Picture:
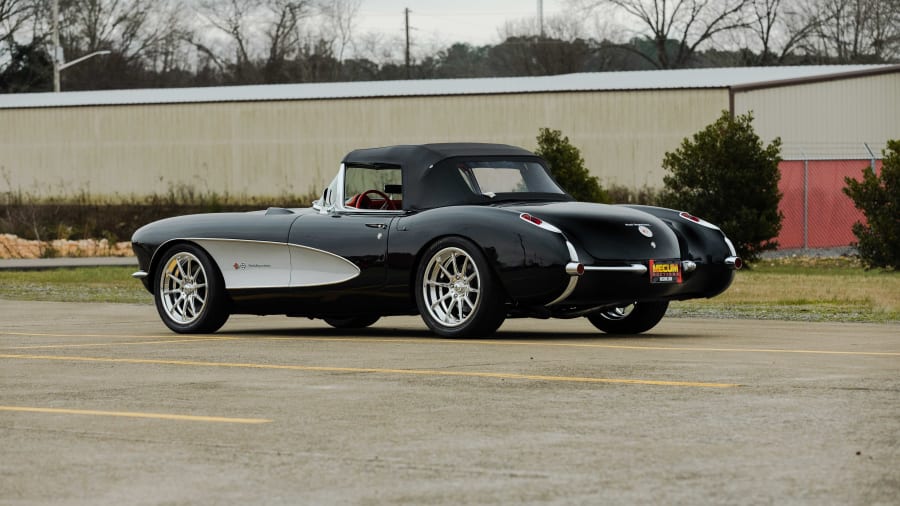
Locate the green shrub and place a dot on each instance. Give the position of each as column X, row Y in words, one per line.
column 726, row 175
column 878, row 197
column 567, row 167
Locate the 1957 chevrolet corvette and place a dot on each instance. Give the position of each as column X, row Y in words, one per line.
column 466, row 235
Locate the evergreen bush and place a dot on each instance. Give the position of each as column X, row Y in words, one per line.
column 726, row 175
column 878, row 197
column 567, row 167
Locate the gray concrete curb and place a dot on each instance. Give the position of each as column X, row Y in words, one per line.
column 63, row 263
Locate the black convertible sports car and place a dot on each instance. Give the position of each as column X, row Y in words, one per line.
column 465, row 235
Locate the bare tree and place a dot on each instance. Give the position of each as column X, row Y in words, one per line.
column 144, row 37
column 233, row 18
column 776, row 29
column 860, row 31
column 131, row 28
column 283, row 36
column 679, row 27
column 563, row 27
column 339, row 17
column 13, row 15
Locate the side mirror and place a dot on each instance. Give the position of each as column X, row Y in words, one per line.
column 322, row 205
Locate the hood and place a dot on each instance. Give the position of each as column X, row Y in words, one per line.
column 606, row 232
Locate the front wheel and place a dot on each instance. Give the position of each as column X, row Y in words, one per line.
column 631, row 319
column 189, row 291
column 456, row 292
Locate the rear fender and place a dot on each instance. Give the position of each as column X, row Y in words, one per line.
column 700, row 242
column 528, row 261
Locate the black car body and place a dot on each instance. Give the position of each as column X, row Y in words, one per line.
column 464, row 234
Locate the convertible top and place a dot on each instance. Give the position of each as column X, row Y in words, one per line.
column 419, row 157
column 426, row 186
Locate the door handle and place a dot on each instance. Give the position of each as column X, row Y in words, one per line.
column 376, row 225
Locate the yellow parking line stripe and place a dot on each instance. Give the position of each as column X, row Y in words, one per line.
column 418, row 372
column 158, row 416
column 128, row 336
column 111, row 343
column 479, row 341
column 587, row 345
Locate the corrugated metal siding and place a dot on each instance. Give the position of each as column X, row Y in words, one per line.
column 829, row 119
column 293, row 147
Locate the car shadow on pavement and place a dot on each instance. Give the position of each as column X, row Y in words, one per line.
column 386, row 332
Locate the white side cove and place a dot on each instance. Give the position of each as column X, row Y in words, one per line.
column 315, row 267
column 261, row 264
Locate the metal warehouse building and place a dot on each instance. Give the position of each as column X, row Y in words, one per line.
column 272, row 140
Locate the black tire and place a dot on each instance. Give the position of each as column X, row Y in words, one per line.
column 352, row 322
column 456, row 291
column 189, row 291
column 642, row 317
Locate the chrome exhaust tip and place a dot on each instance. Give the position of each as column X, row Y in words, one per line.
column 574, row 269
column 734, row 263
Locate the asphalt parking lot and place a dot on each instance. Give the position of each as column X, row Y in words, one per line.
column 100, row 404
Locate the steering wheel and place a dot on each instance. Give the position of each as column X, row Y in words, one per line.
column 388, row 203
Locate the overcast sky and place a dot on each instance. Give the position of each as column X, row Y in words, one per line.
column 477, row 22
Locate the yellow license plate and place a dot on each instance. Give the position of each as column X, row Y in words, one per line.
column 665, row 271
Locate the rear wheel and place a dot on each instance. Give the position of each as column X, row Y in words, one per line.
column 631, row 319
column 456, row 292
column 189, row 291
column 352, row 322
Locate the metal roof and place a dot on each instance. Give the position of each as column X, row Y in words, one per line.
column 733, row 77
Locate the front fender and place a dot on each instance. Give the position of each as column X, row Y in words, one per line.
column 149, row 241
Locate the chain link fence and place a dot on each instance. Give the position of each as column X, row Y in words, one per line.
column 818, row 215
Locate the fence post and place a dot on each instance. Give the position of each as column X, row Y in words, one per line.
column 871, row 157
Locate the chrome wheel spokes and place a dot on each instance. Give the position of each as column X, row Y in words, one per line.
column 183, row 288
column 451, row 287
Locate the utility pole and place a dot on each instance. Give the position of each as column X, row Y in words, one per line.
column 406, row 16
column 56, row 51
column 541, row 16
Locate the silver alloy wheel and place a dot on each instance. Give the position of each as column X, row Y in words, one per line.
column 619, row 313
column 183, row 288
column 451, row 287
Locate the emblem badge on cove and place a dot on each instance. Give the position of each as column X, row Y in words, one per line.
column 646, row 232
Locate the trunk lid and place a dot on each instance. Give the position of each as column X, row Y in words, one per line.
column 607, row 233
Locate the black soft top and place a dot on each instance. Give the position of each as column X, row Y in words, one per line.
column 420, row 157
column 425, row 183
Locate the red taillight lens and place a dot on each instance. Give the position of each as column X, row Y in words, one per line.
column 531, row 219
column 689, row 216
